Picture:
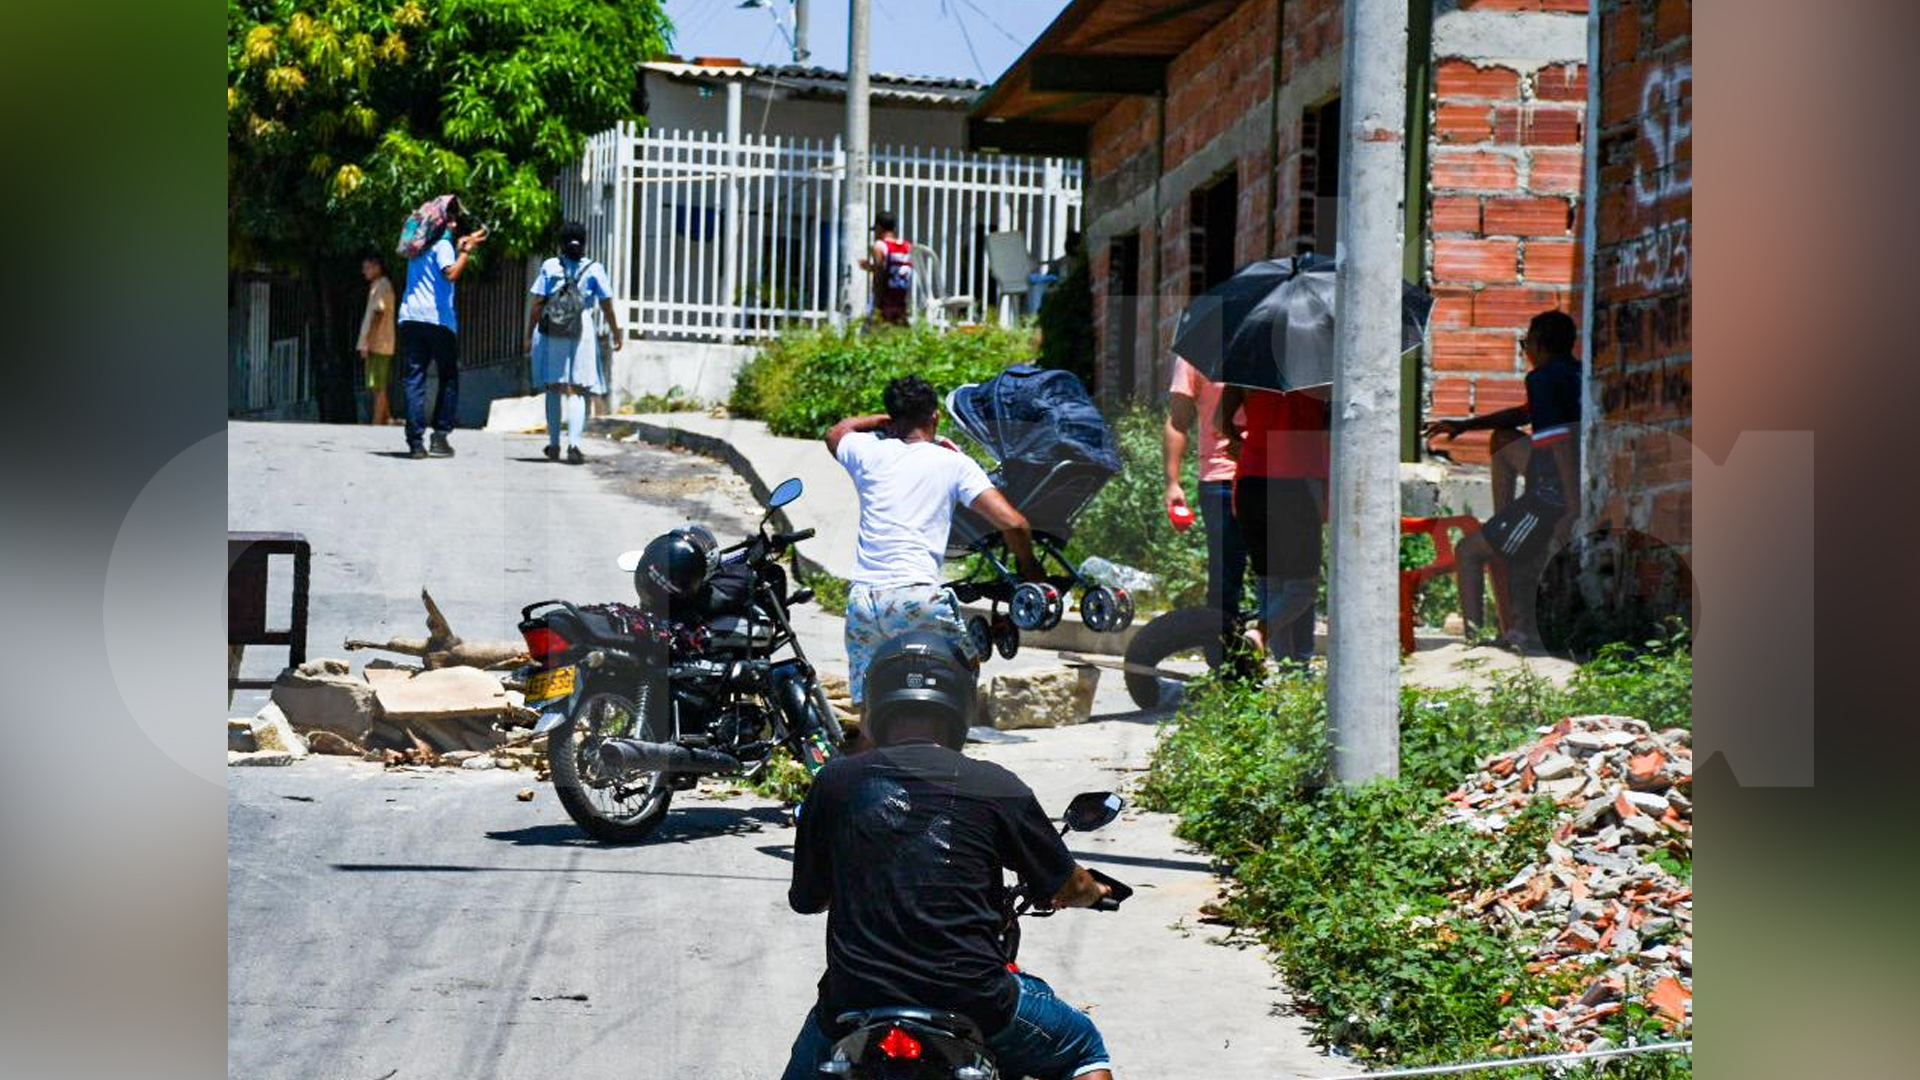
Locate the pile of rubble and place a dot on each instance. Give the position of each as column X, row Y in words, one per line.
column 396, row 714
column 1607, row 915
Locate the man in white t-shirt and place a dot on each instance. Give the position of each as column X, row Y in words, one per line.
column 909, row 482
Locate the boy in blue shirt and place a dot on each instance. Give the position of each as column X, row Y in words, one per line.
column 1521, row 535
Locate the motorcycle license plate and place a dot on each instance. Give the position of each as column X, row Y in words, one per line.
column 548, row 685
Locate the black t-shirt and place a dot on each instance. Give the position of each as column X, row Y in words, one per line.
column 905, row 847
column 1553, row 407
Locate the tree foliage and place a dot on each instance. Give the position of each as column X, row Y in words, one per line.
column 343, row 115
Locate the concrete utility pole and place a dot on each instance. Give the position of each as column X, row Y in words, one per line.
column 853, row 193
column 800, row 52
column 1363, row 662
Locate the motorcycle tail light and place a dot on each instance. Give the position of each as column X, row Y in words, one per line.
column 543, row 643
column 899, row 1045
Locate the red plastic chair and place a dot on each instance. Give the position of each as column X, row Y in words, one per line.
column 1440, row 529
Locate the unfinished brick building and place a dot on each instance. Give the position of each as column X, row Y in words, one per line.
column 1211, row 134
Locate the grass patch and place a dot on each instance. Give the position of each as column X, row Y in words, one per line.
column 805, row 380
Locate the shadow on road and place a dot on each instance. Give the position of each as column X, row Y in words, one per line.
column 1151, row 717
column 681, row 826
column 458, row 868
column 1189, row 865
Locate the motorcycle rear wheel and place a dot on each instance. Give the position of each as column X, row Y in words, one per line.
column 596, row 806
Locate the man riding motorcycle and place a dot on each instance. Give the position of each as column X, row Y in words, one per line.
column 905, row 846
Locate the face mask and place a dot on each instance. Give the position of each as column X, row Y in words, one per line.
column 574, row 250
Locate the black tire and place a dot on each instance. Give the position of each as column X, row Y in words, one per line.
column 1189, row 629
column 567, row 744
column 829, row 721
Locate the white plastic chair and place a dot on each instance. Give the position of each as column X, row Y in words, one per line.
column 940, row 310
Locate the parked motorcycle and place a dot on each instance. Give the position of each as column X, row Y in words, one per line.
column 639, row 702
column 910, row 1042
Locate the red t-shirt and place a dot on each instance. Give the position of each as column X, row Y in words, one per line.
column 1286, row 436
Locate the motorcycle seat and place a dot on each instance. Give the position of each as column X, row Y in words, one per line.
column 949, row 1023
column 601, row 628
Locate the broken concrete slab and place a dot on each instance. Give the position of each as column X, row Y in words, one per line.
column 1042, row 697
column 324, row 695
column 240, row 735
column 442, row 694
column 273, row 732
column 259, row 757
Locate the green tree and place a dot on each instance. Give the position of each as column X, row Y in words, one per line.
column 343, row 115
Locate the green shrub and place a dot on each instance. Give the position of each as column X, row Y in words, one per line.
column 802, row 381
column 1127, row 522
column 1651, row 681
column 1350, row 885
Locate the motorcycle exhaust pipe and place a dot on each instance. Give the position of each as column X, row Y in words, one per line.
column 620, row 757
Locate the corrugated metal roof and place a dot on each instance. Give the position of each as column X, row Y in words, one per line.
column 826, row 82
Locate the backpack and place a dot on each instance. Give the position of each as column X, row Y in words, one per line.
column 566, row 305
column 424, row 227
column 899, row 265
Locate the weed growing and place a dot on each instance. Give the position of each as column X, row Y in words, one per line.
column 1350, row 885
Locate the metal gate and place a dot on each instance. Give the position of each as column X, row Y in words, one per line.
column 717, row 239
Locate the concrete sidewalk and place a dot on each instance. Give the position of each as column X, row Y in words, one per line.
column 830, row 505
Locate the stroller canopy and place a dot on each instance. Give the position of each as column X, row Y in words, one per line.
column 1052, row 445
column 1030, row 416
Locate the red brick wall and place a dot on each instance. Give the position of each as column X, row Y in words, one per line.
column 1642, row 278
column 1314, row 31
column 1505, row 165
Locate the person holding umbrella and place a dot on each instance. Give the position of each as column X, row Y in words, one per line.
column 1268, row 333
column 1193, row 408
column 1282, row 455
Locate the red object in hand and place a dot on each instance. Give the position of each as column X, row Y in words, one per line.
column 1181, row 516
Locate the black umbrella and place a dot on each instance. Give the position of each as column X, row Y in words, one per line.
column 1270, row 326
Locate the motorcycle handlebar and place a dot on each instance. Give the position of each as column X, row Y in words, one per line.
column 788, row 539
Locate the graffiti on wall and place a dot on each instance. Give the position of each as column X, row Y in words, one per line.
column 1657, row 261
column 1666, row 122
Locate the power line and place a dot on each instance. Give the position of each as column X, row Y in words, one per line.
column 991, row 21
column 968, row 38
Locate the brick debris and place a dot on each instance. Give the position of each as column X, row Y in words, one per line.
column 1605, row 917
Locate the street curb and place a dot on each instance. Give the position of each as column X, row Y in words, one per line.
column 711, row 446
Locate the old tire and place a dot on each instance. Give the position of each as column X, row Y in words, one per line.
column 1190, row 629
column 578, row 739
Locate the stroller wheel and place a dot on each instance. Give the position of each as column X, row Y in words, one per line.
column 1006, row 638
column 980, row 636
column 1122, row 610
column 1028, row 609
column 1056, row 607
column 1097, row 609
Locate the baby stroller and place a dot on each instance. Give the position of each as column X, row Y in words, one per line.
column 1054, row 453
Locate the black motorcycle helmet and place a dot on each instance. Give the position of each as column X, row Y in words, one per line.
column 671, row 567
column 918, row 684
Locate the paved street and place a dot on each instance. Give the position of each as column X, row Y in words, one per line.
column 428, row 924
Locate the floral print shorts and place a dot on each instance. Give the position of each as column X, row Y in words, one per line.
column 877, row 614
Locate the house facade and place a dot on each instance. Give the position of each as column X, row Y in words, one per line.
column 1211, row 132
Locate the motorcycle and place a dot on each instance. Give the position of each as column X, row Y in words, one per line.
column 638, row 703
column 910, row 1042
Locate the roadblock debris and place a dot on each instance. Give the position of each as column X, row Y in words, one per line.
column 1609, row 904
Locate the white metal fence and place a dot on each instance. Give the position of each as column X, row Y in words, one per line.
column 717, row 239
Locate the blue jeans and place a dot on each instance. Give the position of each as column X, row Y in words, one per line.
column 1048, row 1040
column 422, row 344
column 1226, row 553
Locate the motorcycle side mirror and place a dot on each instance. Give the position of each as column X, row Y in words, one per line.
column 788, row 491
column 1092, row 810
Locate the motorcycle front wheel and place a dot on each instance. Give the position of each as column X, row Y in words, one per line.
column 623, row 811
